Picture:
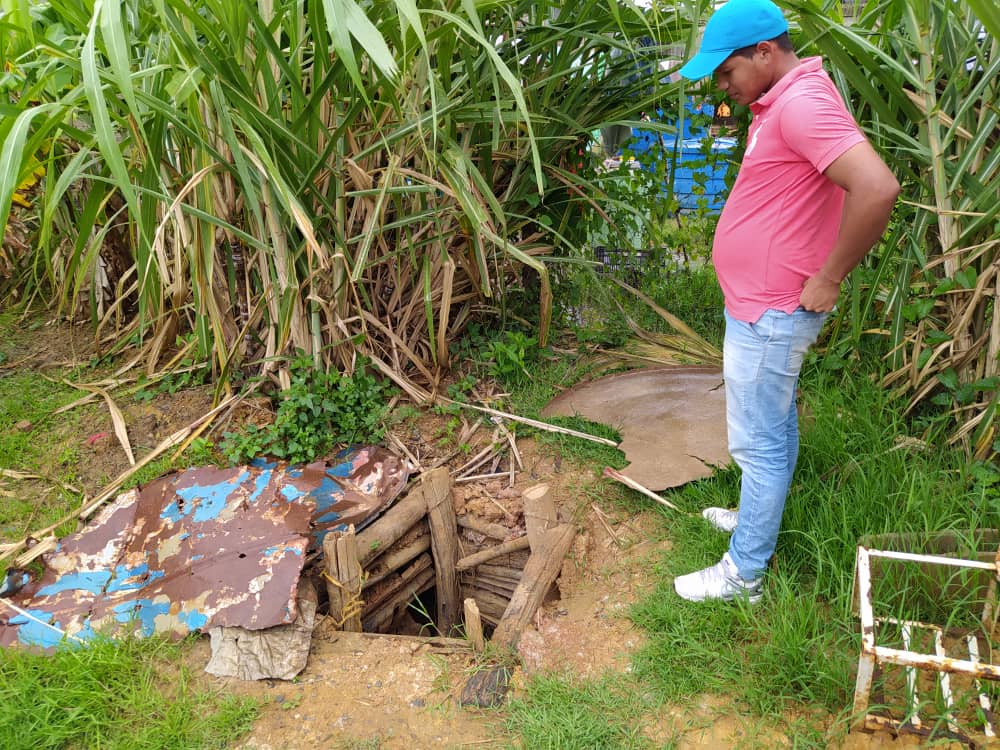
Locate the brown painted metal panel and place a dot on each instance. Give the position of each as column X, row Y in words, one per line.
column 200, row 548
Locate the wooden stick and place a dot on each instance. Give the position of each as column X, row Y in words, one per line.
column 436, row 488
column 617, row 476
column 539, row 513
column 533, row 422
column 490, row 552
column 410, row 590
column 513, row 446
column 396, row 557
column 477, row 459
column 391, row 527
column 491, row 605
column 474, row 626
column 406, row 451
column 493, row 530
column 601, row 517
column 539, row 574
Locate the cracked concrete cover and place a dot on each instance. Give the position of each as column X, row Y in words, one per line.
column 672, row 420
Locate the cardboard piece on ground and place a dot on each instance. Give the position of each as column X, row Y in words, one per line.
column 672, row 420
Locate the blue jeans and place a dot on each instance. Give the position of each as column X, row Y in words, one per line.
column 761, row 363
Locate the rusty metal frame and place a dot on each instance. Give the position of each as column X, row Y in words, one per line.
column 873, row 655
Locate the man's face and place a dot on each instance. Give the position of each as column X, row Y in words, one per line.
column 743, row 79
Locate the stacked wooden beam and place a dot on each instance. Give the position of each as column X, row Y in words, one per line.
column 420, row 543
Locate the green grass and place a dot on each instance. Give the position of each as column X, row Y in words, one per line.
column 127, row 695
column 787, row 664
column 557, row 713
column 799, row 647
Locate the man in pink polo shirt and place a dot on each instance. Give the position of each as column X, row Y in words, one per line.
column 811, row 198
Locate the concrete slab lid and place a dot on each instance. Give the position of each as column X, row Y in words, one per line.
column 672, row 420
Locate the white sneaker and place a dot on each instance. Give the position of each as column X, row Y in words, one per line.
column 722, row 518
column 721, row 581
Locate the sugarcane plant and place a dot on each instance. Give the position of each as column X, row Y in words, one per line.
column 922, row 78
column 242, row 184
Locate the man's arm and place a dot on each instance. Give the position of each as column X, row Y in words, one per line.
column 871, row 193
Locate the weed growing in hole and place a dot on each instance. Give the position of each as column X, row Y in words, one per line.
column 319, row 410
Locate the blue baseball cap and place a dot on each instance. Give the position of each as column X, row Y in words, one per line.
column 737, row 24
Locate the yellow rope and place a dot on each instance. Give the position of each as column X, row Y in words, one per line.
column 354, row 605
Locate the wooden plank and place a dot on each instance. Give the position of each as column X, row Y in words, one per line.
column 486, row 585
column 436, row 487
column 500, row 571
column 343, row 579
column 539, row 574
column 391, row 527
column 382, row 618
column 331, row 575
column 491, row 605
column 539, row 513
column 399, row 555
column 493, row 552
column 474, row 626
column 394, row 585
column 350, row 578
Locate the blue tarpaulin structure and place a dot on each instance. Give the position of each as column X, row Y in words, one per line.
column 698, row 177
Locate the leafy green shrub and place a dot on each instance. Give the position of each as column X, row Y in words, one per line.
column 319, row 410
column 510, row 354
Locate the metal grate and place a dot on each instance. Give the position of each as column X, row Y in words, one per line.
column 939, row 662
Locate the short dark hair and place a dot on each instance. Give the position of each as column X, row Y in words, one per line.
column 783, row 41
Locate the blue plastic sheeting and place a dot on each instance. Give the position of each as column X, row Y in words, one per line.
column 696, row 184
column 201, row 548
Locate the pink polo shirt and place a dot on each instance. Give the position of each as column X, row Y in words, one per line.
column 782, row 216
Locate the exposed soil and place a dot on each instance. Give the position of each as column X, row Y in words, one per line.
column 397, row 692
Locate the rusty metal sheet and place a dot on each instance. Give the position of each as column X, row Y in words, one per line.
column 201, row 548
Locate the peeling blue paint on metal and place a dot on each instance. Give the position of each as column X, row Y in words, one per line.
column 35, row 633
column 263, row 480
column 142, row 611
column 93, row 581
column 130, row 579
column 179, row 554
column 194, row 619
column 292, row 493
column 206, row 501
column 86, row 633
column 282, row 549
